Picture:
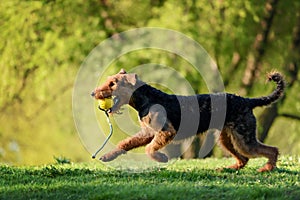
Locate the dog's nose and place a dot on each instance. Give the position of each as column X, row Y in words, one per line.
column 93, row 94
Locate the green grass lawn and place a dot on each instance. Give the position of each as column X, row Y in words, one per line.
column 184, row 179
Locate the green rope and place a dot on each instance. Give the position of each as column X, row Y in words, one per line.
column 110, row 132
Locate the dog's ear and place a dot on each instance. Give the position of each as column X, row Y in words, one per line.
column 122, row 71
column 132, row 78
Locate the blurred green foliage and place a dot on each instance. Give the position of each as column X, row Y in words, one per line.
column 43, row 44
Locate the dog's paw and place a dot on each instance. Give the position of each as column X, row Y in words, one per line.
column 106, row 158
column 112, row 155
column 159, row 157
column 267, row 168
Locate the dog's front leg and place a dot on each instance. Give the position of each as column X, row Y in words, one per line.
column 141, row 138
column 112, row 155
column 161, row 139
column 157, row 121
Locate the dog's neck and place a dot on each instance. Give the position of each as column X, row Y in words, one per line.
column 143, row 98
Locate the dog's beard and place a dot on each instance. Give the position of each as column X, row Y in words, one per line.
column 120, row 98
column 115, row 109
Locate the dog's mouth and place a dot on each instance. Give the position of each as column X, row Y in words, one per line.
column 116, row 106
column 116, row 101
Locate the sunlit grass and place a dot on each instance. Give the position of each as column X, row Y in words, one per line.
column 183, row 179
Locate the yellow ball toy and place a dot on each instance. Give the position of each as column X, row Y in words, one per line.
column 106, row 103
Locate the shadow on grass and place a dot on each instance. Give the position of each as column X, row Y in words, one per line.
column 55, row 182
column 152, row 191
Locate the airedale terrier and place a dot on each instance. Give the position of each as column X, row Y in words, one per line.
column 160, row 116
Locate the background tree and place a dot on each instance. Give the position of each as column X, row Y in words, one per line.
column 43, row 44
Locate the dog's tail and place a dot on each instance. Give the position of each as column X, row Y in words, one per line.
column 276, row 94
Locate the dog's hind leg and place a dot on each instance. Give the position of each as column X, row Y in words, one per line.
column 226, row 143
column 254, row 148
column 269, row 152
column 139, row 139
column 247, row 145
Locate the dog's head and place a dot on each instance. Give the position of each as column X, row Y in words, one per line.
column 119, row 87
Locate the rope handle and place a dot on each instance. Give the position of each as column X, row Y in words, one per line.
column 110, row 132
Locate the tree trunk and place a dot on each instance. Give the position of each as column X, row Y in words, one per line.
column 268, row 116
column 191, row 149
column 235, row 63
column 266, row 120
column 208, row 143
column 259, row 47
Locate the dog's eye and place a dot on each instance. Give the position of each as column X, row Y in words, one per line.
column 111, row 84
